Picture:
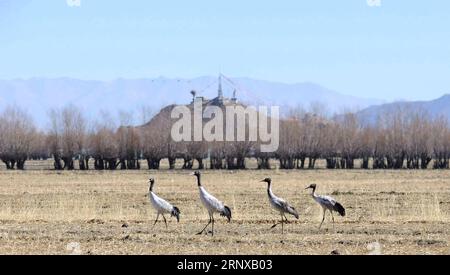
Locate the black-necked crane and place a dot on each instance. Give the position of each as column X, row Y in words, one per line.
column 162, row 206
column 211, row 204
column 327, row 203
column 279, row 205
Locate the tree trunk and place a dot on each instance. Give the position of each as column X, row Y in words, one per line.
column 172, row 162
column 123, row 164
column 365, row 163
column 425, row 161
column 153, row 163
column 57, row 163
column 302, row 163
column 68, row 163
column 21, row 164
column 263, row 163
column 201, row 166
column 331, row 163
column 216, row 163
column 312, row 163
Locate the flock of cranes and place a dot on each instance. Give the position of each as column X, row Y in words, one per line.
column 213, row 205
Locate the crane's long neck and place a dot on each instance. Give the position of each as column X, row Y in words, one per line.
column 151, row 187
column 199, row 181
column 313, row 192
column 269, row 189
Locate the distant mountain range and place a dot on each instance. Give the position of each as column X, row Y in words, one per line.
column 434, row 108
column 38, row 95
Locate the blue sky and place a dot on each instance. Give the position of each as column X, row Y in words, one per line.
column 399, row 50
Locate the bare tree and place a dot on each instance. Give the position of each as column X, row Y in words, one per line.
column 102, row 143
column 16, row 137
column 39, row 146
column 367, row 140
column 156, row 142
column 348, row 132
column 419, row 142
column 67, row 137
column 128, row 140
column 441, row 143
column 289, row 140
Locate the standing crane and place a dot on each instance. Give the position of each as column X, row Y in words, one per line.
column 161, row 206
column 212, row 204
column 327, row 203
column 279, row 205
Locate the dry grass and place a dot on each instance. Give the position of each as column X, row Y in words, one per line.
column 45, row 212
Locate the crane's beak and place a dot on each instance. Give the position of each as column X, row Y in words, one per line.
column 307, row 187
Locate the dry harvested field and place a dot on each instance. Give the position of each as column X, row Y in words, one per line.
column 48, row 212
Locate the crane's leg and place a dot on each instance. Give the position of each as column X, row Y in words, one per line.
column 332, row 216
column 283, row 217
column 165, row 221
column 212, row 218
column 277, row 223
column 286, row 221
column 210, row 221
column 323, row 219
column 157, row 217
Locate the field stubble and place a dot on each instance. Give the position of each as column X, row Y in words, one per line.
column 389, row 212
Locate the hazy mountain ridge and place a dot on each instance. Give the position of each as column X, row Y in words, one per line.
column 38, row 95
column 434, row 108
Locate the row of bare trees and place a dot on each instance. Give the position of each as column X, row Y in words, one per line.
column 404, row 138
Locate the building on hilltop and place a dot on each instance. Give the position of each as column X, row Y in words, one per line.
column 220, row 100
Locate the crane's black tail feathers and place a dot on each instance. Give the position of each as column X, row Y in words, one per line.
column 340, row 209
column 226, row 213
column 293, row 212
column 176, row 213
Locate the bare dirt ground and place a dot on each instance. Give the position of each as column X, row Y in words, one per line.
column 389, row 212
